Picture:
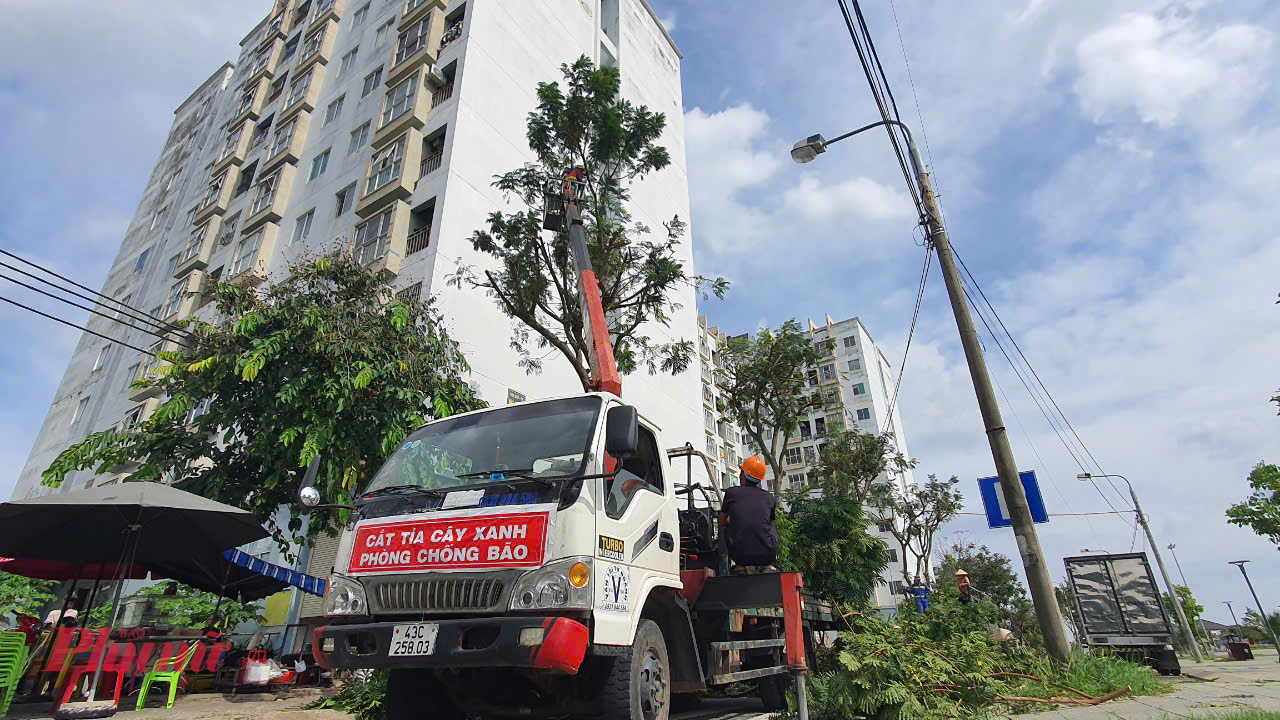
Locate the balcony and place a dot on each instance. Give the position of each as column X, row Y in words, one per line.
column 317, row 45
column 380, row 242
column 275, row 30
column 418, row 43
column 327, row 11
column 286, row 143
column 451, row 34
column 418, row 240
column 217, row 195
column 265, row 62
column 250, row 262
column 200, row 244
column 404, row 105
column 391, row 173
column 415, row 10
column 235, row 147
column 253, row 96
column 270, row 195
column 442, row 94
column 151, row 372
column 303, row 93
column 431, row 163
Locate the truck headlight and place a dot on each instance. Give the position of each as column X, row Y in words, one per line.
column 345, row 596
column 558, row 585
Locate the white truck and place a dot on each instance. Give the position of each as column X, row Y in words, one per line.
column 535, row 560
column 1118, row 609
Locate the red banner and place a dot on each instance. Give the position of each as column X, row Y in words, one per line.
column 488, row 541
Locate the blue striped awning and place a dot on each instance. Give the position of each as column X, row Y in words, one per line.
column 304, row 582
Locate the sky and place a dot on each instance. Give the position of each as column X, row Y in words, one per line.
column 1107, row 172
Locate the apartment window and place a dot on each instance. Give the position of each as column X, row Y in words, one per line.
column 346, row 197
column 195, row 242
column 399, row 100
column 173, row 264
column 262, row 131
column 142, row 260
column 832, row 396
column 711, row 447
column 313, row 42
column 332, row 112
column 260, row 60
column 360, row 16
column 810, row 456
column 514, row 396
column 827, row 372
column 385, row 166
column 131, row 419
column 246, row 253
column 864, row 414
column 228, row 230
column 175, row 298
column 359, row 137
column 813, row 378
column 214, row 190
column 792, row 456
column 851, row 341
column 384, row 30
column 855, row 364
column 412, row 294
column 290, row 47
column 709, row 419
column 284, row 136
column 246, row 179
column 80, row 409
column 99, row 361
column 372, row 238
column 412, row 40
column 303, row 226
column 820, row 427
column 412, row 5
column 860, row 389
column 805, row 432
column 319, row 164
column 200, row 408
column 155, row 219
column 266, row 192
column 347, row 61
column 298, row 90
column 896, row 587
column 277, row 87
column 121, row 303
column 131, row 374
column 231, row 143
column 371, row 82
column 246, row 100
column 885, row 526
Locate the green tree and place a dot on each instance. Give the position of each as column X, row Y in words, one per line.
column 326, row 361
column 765, row 388
column 24, row 595
column 188, row 607
column 585, row 123
column 1190, row 607
column 826, row 539
column 1251, row 626
column 1261, row 510
column 993, row 580
column 915, row 512
column 852, row 461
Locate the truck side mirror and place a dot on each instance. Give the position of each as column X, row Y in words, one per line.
column 622, row 432
column 308, row 495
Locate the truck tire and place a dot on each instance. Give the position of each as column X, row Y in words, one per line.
column 637, row 685
column 408, row 690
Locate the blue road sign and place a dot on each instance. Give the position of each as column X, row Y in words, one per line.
column 998, row 512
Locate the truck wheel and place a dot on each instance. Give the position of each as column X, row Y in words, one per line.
column 773, row 691
column 637, row 686
column 406, row 690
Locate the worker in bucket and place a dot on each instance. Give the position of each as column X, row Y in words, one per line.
column 746, row 517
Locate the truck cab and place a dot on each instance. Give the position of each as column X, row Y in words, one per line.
column 511, row 559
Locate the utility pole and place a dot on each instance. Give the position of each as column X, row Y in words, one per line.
column 1048, row 615
column 1261, row 612
column 1235, row 624
column 1188, row 587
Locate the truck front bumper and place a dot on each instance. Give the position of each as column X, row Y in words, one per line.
column 556, row 644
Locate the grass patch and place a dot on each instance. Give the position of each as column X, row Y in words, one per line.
column 1091, row 674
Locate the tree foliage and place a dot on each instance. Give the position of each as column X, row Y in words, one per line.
column 993, row 578
column 1251, row 626
column 826, row 539
column 188, row 607
column 852, row 461
column 917, row 511
column 765, row 388
column 24, row 595
column 325, row 362
column 584, row 123
column 1190, row 608
column 1261, row 510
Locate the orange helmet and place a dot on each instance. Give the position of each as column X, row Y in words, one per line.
column 754, row 466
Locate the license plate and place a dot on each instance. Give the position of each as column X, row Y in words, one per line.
column 413, row 639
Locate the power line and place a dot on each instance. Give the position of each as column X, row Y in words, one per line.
column 915, row 316
column 67, row 279
column 82, row 307
column 78, row 327
column 924, row 134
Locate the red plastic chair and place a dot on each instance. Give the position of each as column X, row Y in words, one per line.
column 76, row 672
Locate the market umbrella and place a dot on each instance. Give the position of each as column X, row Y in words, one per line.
column 64, row 570
column 143, row 523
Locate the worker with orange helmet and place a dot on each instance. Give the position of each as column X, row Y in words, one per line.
column 746, row 518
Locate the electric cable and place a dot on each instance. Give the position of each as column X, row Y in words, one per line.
column 86, row 308
column 915, row 316
column 78, row 327
column 73, row 282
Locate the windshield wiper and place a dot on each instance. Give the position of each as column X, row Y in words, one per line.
column 403, row 488
column 519, row 474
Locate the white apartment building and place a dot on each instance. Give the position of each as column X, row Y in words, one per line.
column 724, row 441
column 374, row 126
column 856, row 384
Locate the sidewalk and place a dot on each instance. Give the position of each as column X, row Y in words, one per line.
column 1237, row 685
column 211, row 706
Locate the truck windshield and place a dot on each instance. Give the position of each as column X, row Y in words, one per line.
column 546, row 439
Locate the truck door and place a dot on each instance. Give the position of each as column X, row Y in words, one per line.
column 637, row 530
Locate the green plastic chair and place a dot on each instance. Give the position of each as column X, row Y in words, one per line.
column 13, row 661
column 166, row 670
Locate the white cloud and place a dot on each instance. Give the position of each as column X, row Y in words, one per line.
column 857, row 197
column 1160, row 66
column 669, row 20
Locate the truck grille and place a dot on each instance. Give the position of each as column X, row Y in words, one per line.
column 437, row 594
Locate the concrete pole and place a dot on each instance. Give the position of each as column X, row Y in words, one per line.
column 1183, row 575
column 1256, row 601
column 1048, row 615
column 1173, row 594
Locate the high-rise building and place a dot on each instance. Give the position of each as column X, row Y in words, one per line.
column 724, row 438
column 374, row 127
column 855, row 384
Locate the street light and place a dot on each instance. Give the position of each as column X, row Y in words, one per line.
column 1188, row 587
column 1263, row 613
column 1155, row 550
column 1048, row 614
column 1235, row 624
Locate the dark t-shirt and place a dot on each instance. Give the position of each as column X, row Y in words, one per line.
column 753, row 539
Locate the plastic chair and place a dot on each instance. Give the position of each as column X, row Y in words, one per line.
column 167, row 670
column 77, row 672
column 13, row 660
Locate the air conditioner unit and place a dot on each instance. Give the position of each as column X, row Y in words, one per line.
column 435, row 76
